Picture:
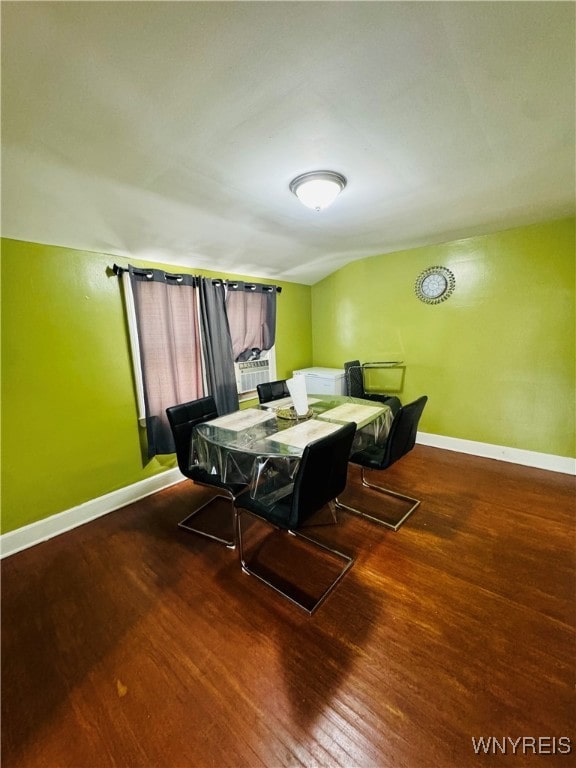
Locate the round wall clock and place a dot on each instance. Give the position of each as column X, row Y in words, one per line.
column 434, row 285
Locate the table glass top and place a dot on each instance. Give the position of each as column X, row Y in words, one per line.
column 260, row 431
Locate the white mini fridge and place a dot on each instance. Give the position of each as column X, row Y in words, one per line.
column 323, row 381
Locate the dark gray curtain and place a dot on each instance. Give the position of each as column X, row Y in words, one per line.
column 170, row 349
column 251, row 310
column 217, row 346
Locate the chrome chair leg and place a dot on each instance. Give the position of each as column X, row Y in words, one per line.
column 228, row 540
column 387, row 492
column 246, row 568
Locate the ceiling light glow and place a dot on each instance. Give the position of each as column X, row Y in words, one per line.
column 318, row 189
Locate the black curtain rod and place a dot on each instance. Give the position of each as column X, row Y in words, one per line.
column 118, row 271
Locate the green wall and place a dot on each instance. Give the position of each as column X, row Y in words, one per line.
column 69, row 425
column 497, row 359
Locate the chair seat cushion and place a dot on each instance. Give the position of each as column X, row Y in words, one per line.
column 372, row 456
column 278, row 513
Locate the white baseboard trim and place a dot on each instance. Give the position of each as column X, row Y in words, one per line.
column 563, row 464
column 42, row 530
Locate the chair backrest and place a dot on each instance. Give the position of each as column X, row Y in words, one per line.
column 272, row 390
column 354, row 378
column 393, row 403
column 402, row 436
column 322, row 473
column 182, row 419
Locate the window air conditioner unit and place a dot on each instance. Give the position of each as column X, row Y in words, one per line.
column 251, row 373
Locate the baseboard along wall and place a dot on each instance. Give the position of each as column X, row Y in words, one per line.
column 563, row 464
column 42, row 530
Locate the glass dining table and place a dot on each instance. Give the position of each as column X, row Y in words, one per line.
column 260, row 447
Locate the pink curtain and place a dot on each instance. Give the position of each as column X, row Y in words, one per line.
column 170, row 348
column 251, row 311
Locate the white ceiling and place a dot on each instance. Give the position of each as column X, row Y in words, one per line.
column 169, row 131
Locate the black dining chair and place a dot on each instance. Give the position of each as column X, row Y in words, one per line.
column 320, row 477
column 354, row 377
column 272, row 390
column 182, row 419
column 400, row 441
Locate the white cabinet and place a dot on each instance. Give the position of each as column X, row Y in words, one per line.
column 323, row 381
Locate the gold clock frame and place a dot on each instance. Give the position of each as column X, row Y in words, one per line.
column 443, row 272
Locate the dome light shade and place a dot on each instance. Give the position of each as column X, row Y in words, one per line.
column 318, row 189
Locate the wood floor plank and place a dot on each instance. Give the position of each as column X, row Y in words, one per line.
column 129, row 642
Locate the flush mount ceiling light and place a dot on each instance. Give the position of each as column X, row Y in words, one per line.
column 318, row 189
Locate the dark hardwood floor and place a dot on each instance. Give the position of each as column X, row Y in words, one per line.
column 129, row 642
